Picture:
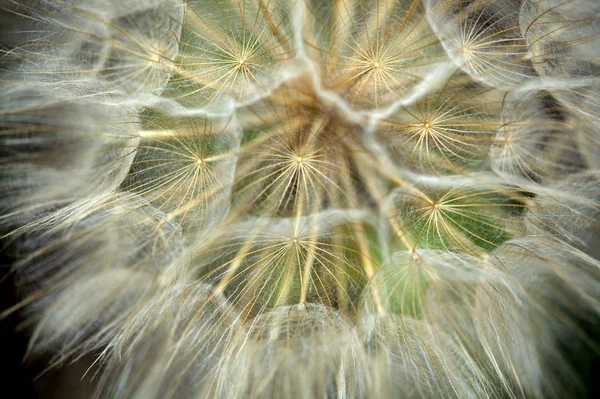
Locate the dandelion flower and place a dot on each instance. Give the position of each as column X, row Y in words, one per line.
column 302, row 198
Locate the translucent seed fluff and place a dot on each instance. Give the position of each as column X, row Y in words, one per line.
column 305, row 198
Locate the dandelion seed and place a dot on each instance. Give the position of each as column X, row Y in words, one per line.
column 369, row 52
column 449, row 131
column 484, row 39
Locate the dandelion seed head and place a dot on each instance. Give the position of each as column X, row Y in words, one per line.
column 301, row 199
